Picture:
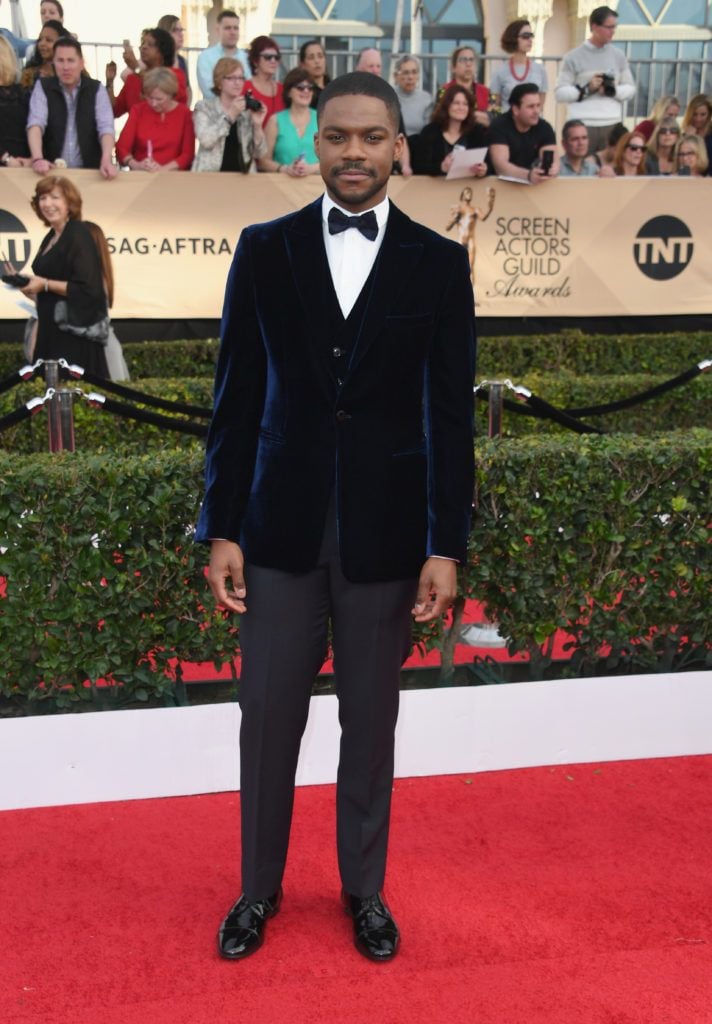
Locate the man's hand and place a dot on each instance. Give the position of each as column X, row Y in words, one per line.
column 107, row 168
column 227, row 562
column 437, row 588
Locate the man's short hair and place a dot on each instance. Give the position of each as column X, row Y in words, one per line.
column 599, row 14
column 227, row 14
column 68, row 43
column 520, row 91
column 407, row 58
column 361, row 83
column 573, row 123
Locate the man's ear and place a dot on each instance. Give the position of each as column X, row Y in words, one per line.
column 398, row 148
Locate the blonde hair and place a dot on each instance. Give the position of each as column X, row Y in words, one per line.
column 700, row 100
column 225, row 67
column 8, row 63
column 698, row 142
column 661, row 105
column 160, row 78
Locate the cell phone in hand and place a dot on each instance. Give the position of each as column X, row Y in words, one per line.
column 15, row 280
column 547, row 160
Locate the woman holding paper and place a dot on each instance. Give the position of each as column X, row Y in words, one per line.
column 453, row 125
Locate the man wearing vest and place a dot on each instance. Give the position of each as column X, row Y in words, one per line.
column 339, row 485
column 70, row 116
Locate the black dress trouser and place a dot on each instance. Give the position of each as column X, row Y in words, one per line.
column 283, row 637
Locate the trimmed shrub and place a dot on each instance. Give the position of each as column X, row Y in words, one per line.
column 606, row 538
column 570, row 351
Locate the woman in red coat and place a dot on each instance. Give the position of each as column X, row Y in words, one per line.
column 158, row 135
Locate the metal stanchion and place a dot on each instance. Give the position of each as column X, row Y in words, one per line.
column 54, row 426
column 60, row 418
column 65, row 400
column 496, row 406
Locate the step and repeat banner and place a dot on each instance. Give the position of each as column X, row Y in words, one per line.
column 608, row 247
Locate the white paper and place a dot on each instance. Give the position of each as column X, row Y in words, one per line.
column 464, row 159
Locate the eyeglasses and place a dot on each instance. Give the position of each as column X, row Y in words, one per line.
column 525, row 35
column 270, row 56
column 687, row 152
column 304, row 87
column 635, row 148
column 234, row 78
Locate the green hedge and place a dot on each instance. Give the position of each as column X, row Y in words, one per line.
column 570, row 351
column 607, row 538
column 95, row 429
column 687, row 406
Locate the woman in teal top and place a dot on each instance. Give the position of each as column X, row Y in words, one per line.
column 290, row 133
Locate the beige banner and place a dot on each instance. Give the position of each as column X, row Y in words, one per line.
column 609, row 247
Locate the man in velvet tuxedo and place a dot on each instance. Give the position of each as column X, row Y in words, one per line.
column 338, row 487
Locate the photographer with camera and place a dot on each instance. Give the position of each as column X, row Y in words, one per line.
column 228, row 126
column 595, row 79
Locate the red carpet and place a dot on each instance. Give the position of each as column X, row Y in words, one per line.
column 577, row 895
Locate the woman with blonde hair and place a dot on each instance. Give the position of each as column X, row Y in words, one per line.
column 14, row 105
column 67, row 281
column 660, row 158
column 230, row 137
column 628, row 159
column 697, row 117
column 158, row 135
column 665, row 107
column 691, row 156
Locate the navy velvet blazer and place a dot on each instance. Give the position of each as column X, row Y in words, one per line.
column 395, row 439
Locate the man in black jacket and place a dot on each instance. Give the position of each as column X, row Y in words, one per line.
column 70, row 116
column 339, row 485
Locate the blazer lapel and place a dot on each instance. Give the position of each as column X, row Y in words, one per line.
column 396, row 261
column 307, row 259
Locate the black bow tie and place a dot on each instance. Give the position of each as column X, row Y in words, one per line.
column 366, row 223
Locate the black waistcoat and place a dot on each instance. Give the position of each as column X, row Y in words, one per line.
column 53, row 139
column 344, row 331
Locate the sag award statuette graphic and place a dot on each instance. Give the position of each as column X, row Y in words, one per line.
column 464, row 216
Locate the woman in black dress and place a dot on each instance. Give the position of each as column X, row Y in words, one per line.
column 452, row 124
column 67, row 267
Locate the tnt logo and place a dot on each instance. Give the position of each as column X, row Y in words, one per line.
column 15, row 246
column 663, row 248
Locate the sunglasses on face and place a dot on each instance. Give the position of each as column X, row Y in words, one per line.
column 635, row 148
column 270, row 56
column 304, row 87
column 669, row 131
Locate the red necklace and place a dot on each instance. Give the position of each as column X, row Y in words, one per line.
column 519, row 78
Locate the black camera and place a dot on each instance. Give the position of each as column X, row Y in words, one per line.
column 609, row 85
column 250, row 102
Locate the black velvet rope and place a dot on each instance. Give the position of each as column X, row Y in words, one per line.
column 12, row 380
column 144, row 416
column 139, row 396
column 12, row 418
column 643, row 396
column 541, row 410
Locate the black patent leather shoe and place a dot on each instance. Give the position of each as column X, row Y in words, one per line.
column 242, row 931
column 376, row 934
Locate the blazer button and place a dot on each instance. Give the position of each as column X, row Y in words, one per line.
column 342, row 415
column 337, row 353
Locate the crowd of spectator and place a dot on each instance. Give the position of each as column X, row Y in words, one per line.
column 54, row 115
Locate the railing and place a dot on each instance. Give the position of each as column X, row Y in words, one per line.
column 655, row 76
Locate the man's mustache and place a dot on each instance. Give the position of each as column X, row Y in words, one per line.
column 353, row 165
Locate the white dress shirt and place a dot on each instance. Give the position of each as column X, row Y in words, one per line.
column 351, row 255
